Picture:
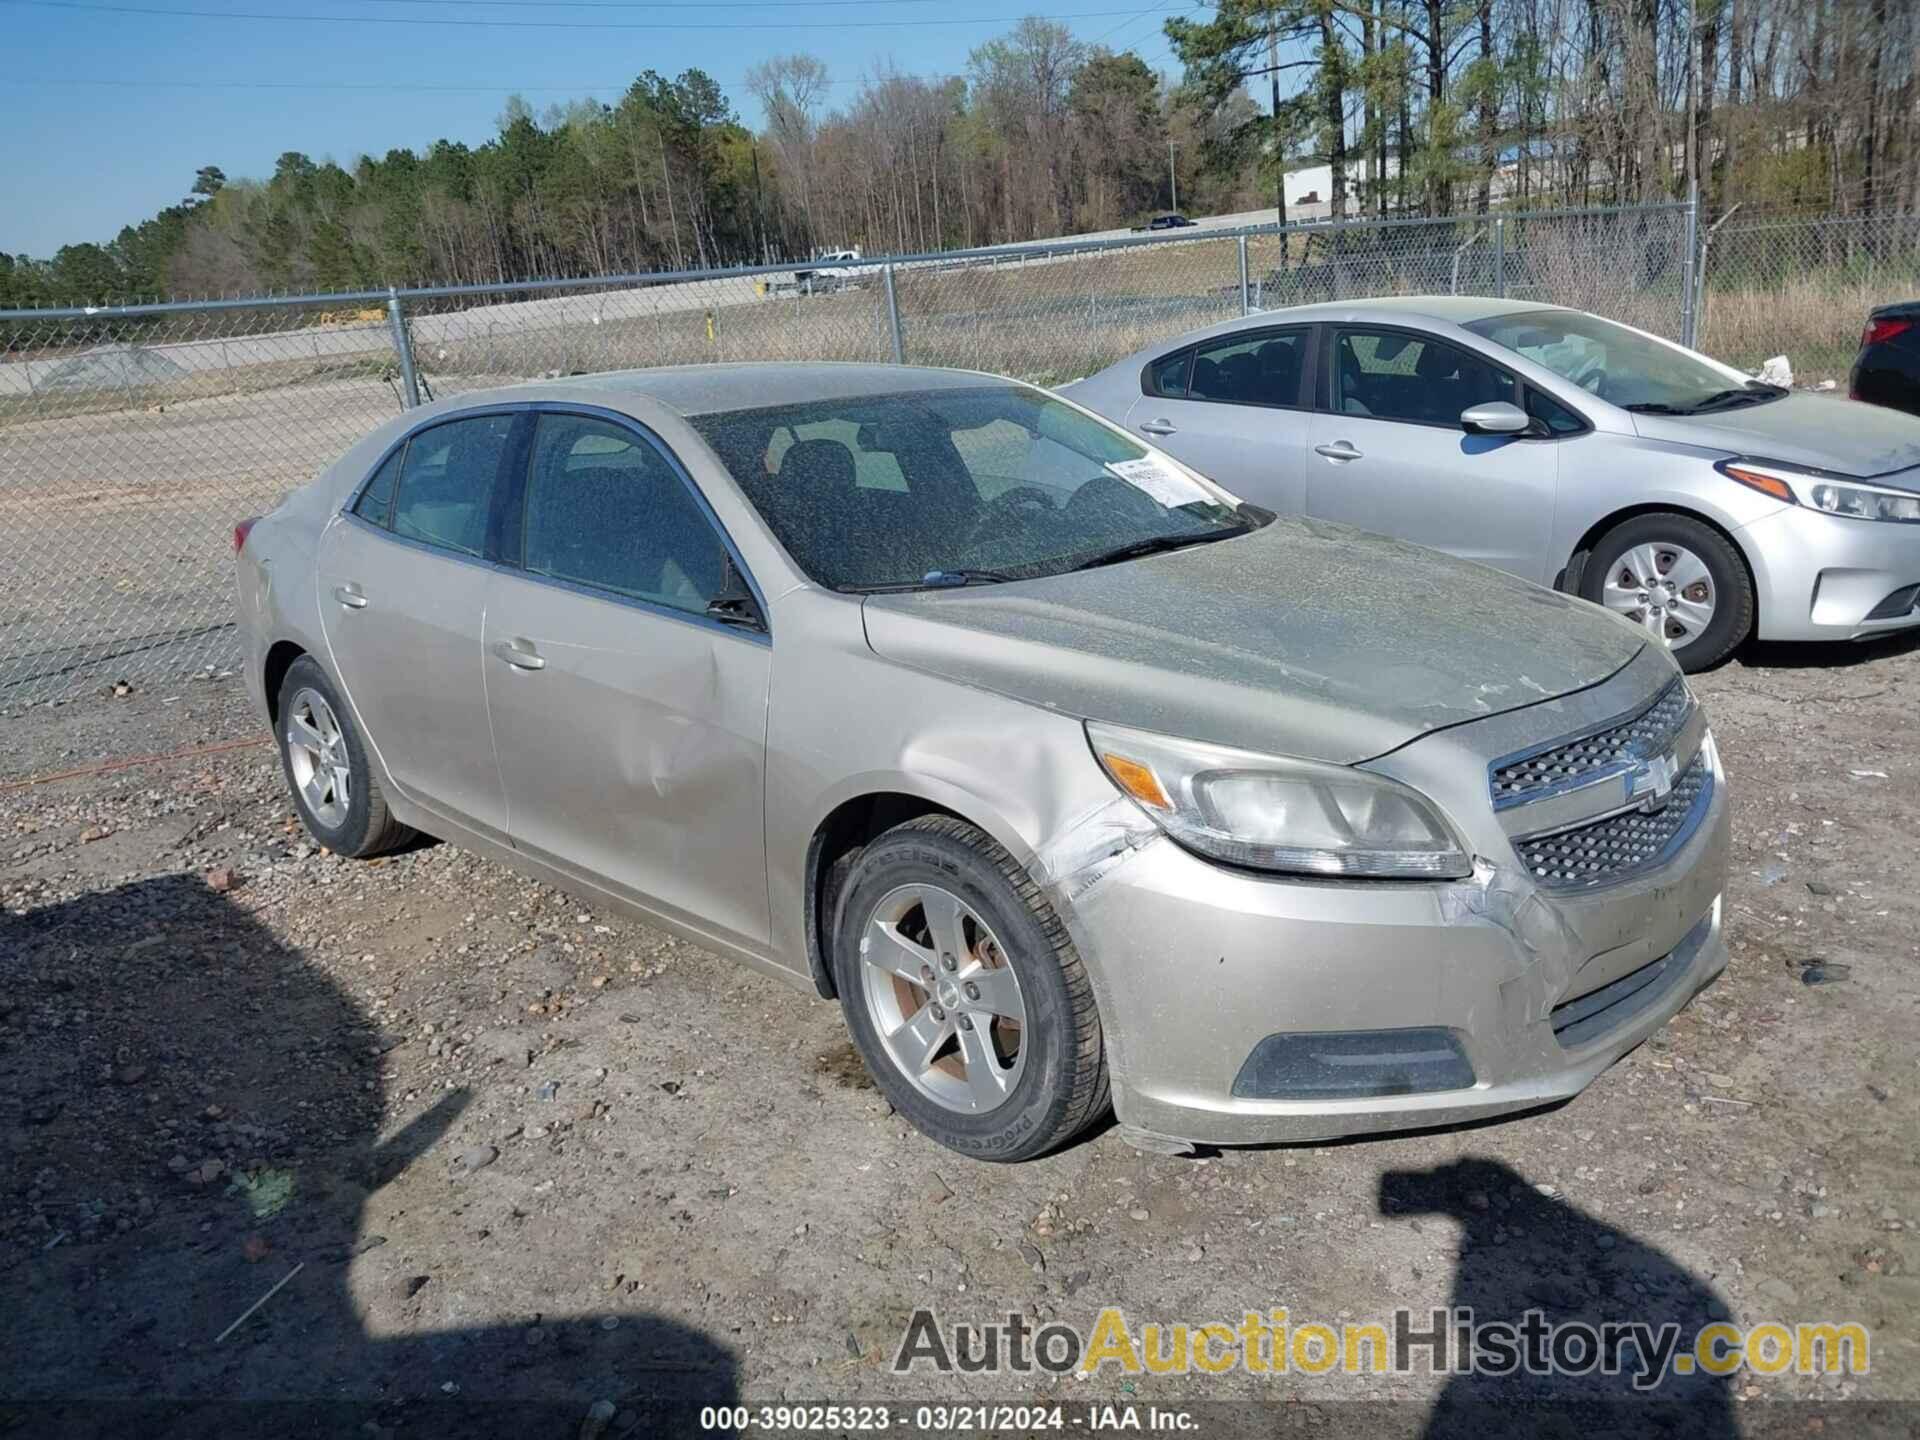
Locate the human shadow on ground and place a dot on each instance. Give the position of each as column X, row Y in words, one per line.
column 1524, row 1254
column 170, row 1073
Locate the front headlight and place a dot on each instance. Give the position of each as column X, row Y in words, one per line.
column 1269, row 812
column 1833, row 497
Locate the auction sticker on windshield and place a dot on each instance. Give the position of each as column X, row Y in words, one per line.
column 1160, row 480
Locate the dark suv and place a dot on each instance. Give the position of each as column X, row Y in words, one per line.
column 1887, row 371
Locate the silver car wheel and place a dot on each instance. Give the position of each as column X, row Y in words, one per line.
column 1665, row 588
column 944, row 1000
column 317, row 756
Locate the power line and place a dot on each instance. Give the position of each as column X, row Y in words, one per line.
column 540, row 24
column 649, row 4
column 577, row 88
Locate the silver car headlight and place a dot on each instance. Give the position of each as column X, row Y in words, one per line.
column 1270, row 812
column 1832, row 497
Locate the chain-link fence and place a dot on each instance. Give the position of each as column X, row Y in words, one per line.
column 1802, row 288
column 132, row 438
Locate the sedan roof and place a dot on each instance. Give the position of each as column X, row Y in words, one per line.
column 704, row 389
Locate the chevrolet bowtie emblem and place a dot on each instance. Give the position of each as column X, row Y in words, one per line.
column 1652, row 782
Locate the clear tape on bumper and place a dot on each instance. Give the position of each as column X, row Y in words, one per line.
column 1504, row 897
column 1087, row 850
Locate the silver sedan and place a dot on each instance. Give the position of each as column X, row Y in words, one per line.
column 1075, row 779
column 1554, row 444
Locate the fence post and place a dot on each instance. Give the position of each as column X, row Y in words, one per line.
column 1245, row 308
column 893, row 316
column 1500, row 256
column 1691, row 269
column 403, row 347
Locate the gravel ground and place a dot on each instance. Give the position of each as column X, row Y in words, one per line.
column 524, row 1151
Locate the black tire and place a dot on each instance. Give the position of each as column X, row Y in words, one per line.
column 1733, row 610
column 367, row 827
column 1062, row 1087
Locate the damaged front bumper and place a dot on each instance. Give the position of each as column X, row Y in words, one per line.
column 1242, row 1008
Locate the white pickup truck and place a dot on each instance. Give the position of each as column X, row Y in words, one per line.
column 830, row 271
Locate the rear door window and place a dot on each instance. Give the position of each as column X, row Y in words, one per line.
column 446, row 483
column 1168, row 375
column 1241, row 369
column 375, row 504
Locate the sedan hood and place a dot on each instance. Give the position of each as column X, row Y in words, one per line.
column 1821, row 432
column 1302, row 639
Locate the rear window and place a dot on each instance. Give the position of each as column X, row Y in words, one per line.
column 925, row 486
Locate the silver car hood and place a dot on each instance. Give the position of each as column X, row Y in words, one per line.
column 1820, row 431
column 1302, row 638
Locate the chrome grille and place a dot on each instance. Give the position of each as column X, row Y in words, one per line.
column 1532, row 777
column 1620, row 845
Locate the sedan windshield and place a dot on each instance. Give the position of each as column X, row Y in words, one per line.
column 928, row 488
column 1623, row 366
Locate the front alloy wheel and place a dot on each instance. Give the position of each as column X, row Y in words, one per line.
column 944, row 1001
column 964, row 993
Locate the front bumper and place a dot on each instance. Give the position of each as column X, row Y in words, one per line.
column 1822, row 577
column 1199, row 964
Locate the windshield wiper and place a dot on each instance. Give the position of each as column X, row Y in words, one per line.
column 1752, row 394
column 933, row 580
column 1657, row 407
column 1154, row 544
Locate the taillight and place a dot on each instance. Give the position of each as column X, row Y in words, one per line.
column 1878, row 332
column 242, row 530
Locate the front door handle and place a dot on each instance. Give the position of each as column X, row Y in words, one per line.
column 350, row 596
column 520, row 654
column 1338, row 450
column 1156, row 427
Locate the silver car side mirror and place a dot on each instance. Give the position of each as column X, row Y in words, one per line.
column 1496, row 417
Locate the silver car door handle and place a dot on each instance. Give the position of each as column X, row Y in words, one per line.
column 350, row 596
column 1338, row 450
column 520, row 654
column 1156, row 427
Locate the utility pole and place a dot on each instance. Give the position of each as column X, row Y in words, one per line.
column 1279, row 138
column 1173, row 182
column 1693, row 99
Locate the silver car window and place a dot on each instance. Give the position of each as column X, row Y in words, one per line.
column 1391, row 375
column 446, row 482
column 375, row 502
column 604, row 508
column 1001, row 478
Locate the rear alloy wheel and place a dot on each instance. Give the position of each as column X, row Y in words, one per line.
column 326, row 765
column 1679, row 580
column 964, row 994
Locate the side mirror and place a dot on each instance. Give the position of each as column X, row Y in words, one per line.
column 1496, row 417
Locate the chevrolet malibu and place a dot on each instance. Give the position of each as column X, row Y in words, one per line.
column 1078, row 782
column 1582, row 454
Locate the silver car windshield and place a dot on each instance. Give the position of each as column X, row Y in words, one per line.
column 1618, row 364
column 929, row 488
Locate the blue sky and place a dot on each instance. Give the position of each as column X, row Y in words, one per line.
column 128, row 103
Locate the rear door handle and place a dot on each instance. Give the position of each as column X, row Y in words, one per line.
column 1338, row 450
column 1156, row 427
column 520, row 654
column 350, row 596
